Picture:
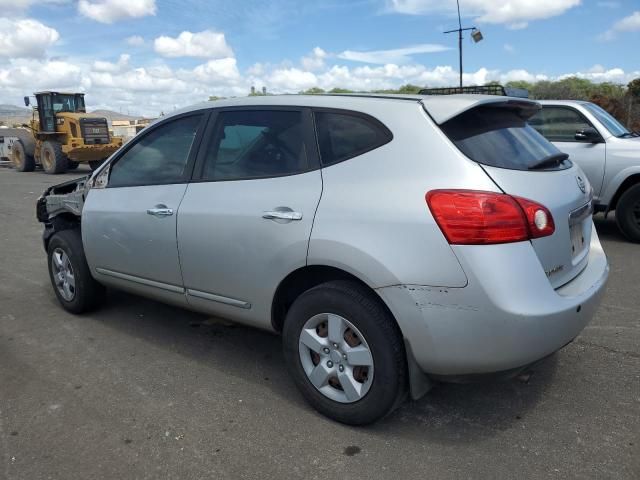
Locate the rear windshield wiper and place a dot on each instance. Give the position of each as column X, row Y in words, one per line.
column 549, row 161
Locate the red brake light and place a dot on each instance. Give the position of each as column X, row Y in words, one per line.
column 470, row 217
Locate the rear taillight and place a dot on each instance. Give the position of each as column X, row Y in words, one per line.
column 470, row 217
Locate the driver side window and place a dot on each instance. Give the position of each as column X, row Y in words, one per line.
column 159, row 157
column 256, row 144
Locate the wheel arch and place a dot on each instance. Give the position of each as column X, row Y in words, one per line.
column 305, row 278
column 63, row 221
column 309, row 276
column 628, row 182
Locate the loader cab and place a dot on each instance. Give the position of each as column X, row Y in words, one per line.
column 50, row 103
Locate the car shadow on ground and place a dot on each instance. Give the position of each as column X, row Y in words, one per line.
column 450, row 413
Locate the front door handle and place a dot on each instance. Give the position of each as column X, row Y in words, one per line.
column 160, row 211
column 282, row 215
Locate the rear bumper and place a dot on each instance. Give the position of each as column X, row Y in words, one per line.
column 507, row 317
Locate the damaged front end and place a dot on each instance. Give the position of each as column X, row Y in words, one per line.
column 60, row 206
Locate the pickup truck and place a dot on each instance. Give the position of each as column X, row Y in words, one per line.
column 607, row 152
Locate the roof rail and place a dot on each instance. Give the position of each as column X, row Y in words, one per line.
column 498, row 90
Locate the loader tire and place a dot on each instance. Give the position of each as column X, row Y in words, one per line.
column 52, row 157
column 21, row 160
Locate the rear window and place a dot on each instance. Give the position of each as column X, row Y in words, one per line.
column 345, row 135
column 499, row 137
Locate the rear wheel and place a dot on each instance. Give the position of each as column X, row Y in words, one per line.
column 345, row 352
column 21, row 160
column 76, row 289
column 53, row 158
column 628, row 213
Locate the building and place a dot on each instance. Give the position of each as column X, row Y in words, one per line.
column 128, row 129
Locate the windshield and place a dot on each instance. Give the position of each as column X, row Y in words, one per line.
column 67, row 103
column 605, row 118
column 500, row 137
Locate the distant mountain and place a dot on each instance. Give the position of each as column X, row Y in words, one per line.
column 13, row 110
column 13, row 115
column 111, row 115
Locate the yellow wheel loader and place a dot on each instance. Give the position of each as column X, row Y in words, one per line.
column 61, row 135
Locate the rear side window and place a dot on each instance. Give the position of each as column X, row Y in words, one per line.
column 346, row 135
column 256, row 144
column 499, row 137
column 559, row 124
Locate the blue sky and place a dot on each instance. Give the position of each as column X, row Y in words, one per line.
column 148, row 55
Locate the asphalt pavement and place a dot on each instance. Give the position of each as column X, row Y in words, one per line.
column 142, row 390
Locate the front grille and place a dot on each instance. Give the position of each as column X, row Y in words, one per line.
column 95, row 131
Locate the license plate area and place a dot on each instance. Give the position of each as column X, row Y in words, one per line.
column 578, row 241
column 580, row 232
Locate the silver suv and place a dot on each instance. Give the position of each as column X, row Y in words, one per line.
column 608, row 153
column 392, row 241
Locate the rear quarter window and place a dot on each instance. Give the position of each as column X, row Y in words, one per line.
column 344, row 135
column 499, row 137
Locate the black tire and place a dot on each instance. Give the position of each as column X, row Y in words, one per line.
column 52, row 158
column 363, row 309
column 94, row 164
column 88, row 293
column 22, row 161
column 628, row 213
column 71, row 165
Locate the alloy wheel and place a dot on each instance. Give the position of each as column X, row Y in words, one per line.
column 63, row 275
column 336, row 358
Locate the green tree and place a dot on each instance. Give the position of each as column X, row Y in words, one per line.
column 340, row 90
column 634, row 88
column 313, row 91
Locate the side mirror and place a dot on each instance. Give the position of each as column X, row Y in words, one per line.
column 589, row 135
column 26, row 101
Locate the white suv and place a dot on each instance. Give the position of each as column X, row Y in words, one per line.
column 608, row 153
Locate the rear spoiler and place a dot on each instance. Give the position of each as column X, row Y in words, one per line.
column 444, row 108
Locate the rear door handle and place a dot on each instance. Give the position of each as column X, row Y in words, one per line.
column 281, row 215
column 160, row 211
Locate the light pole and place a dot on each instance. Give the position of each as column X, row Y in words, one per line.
column 476, row 35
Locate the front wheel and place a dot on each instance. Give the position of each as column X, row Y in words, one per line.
column 76, row 289
column 345, row 352
column 628, row 213
column 53, row 159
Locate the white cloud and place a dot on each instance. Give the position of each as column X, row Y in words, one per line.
column 127, row 86
column 110, row 11
column 627, row 24
column 25, row 38
column 315, row 60
column 222, row 69
column 32, row 75
column 290, row 79
column 514, row 13
column 205, row 44
column 509, row 48
column 121, row 65
column 398, row 55
column 135, row 41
